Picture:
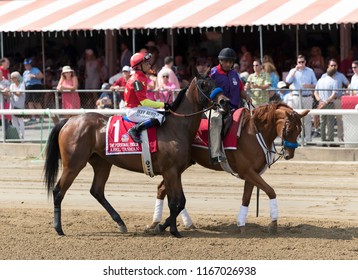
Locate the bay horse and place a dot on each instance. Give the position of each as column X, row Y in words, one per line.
column 81, row 139
column 249, row 161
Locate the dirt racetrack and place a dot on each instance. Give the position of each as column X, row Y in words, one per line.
column 318, row 205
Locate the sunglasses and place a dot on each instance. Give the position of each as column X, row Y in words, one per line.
column 302, row 61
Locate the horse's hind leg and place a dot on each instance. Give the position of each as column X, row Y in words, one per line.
column 101, row 170
column 59, row 192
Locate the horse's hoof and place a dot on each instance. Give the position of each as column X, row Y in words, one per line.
column 123, row 229
column 242, row 229
column 60, row 233
column 151, row 227
column 192, row 226
column 272, row 228
column 176, row 234
column 160, row 228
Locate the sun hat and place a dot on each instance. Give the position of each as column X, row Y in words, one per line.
column 66, row 69
column 126, row 68
column 27, row 61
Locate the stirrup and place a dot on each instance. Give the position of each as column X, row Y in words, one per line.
column 135, row 135
column 218, row 159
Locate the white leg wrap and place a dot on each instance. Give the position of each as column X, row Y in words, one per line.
column 186, row 218
column 158, row 210
column 273, row 209
column 242, row 216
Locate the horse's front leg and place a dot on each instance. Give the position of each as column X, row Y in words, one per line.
column 255, row 179
column 176, row 202
column 175, row 207
column 158, row 210
column 244, row 208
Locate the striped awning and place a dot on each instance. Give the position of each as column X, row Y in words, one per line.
column 60, row 15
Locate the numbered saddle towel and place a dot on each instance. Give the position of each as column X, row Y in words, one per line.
column 119, row 142
column 202, row 137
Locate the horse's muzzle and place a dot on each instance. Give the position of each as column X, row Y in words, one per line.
column 288, row 154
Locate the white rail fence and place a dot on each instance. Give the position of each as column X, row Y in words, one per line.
column 39, row 132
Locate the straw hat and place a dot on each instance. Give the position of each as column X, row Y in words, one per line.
column 66, row 69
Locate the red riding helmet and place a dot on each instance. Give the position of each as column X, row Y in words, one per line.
column 138, row 58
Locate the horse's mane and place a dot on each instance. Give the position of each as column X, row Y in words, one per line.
column 266, row 113
column 179, row 98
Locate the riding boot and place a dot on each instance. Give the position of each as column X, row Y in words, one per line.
column 136, row 130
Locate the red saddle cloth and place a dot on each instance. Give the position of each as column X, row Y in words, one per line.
column 119, row 142
column 202, row 137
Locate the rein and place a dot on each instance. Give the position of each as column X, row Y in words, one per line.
column 196, row 113
column 192, row 114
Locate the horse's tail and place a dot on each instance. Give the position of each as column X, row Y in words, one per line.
column 52, row 156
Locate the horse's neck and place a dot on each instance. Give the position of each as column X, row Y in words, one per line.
column 269, row 129
column 188, row 106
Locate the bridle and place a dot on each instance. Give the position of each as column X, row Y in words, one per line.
column 284, row 138
column 204, row 97
column 285, row 142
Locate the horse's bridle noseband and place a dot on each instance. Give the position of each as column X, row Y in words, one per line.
column 286, row 143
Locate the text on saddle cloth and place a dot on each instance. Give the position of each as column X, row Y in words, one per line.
column 202, row 137
column 118, row 142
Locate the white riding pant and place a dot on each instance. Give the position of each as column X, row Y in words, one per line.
column 142, row 113
column 215, row 133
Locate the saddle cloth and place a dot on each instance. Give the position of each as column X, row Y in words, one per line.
column 118, row 142
column 202, row 137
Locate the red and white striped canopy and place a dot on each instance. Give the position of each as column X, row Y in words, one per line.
column 60, row 15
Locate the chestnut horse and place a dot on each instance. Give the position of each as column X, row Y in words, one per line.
column 249, row 161
column 81, row 139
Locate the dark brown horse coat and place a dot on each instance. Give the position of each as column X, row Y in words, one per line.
column 81, row 139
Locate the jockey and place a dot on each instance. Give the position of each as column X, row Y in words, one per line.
column 140, row 109
column 229, row 80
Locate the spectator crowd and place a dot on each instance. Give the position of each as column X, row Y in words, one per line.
column 312, row 81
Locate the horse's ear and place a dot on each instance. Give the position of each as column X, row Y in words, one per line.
column 208, row 70
column 304, row 113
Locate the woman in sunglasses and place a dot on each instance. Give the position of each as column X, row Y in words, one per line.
column 165, row 92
